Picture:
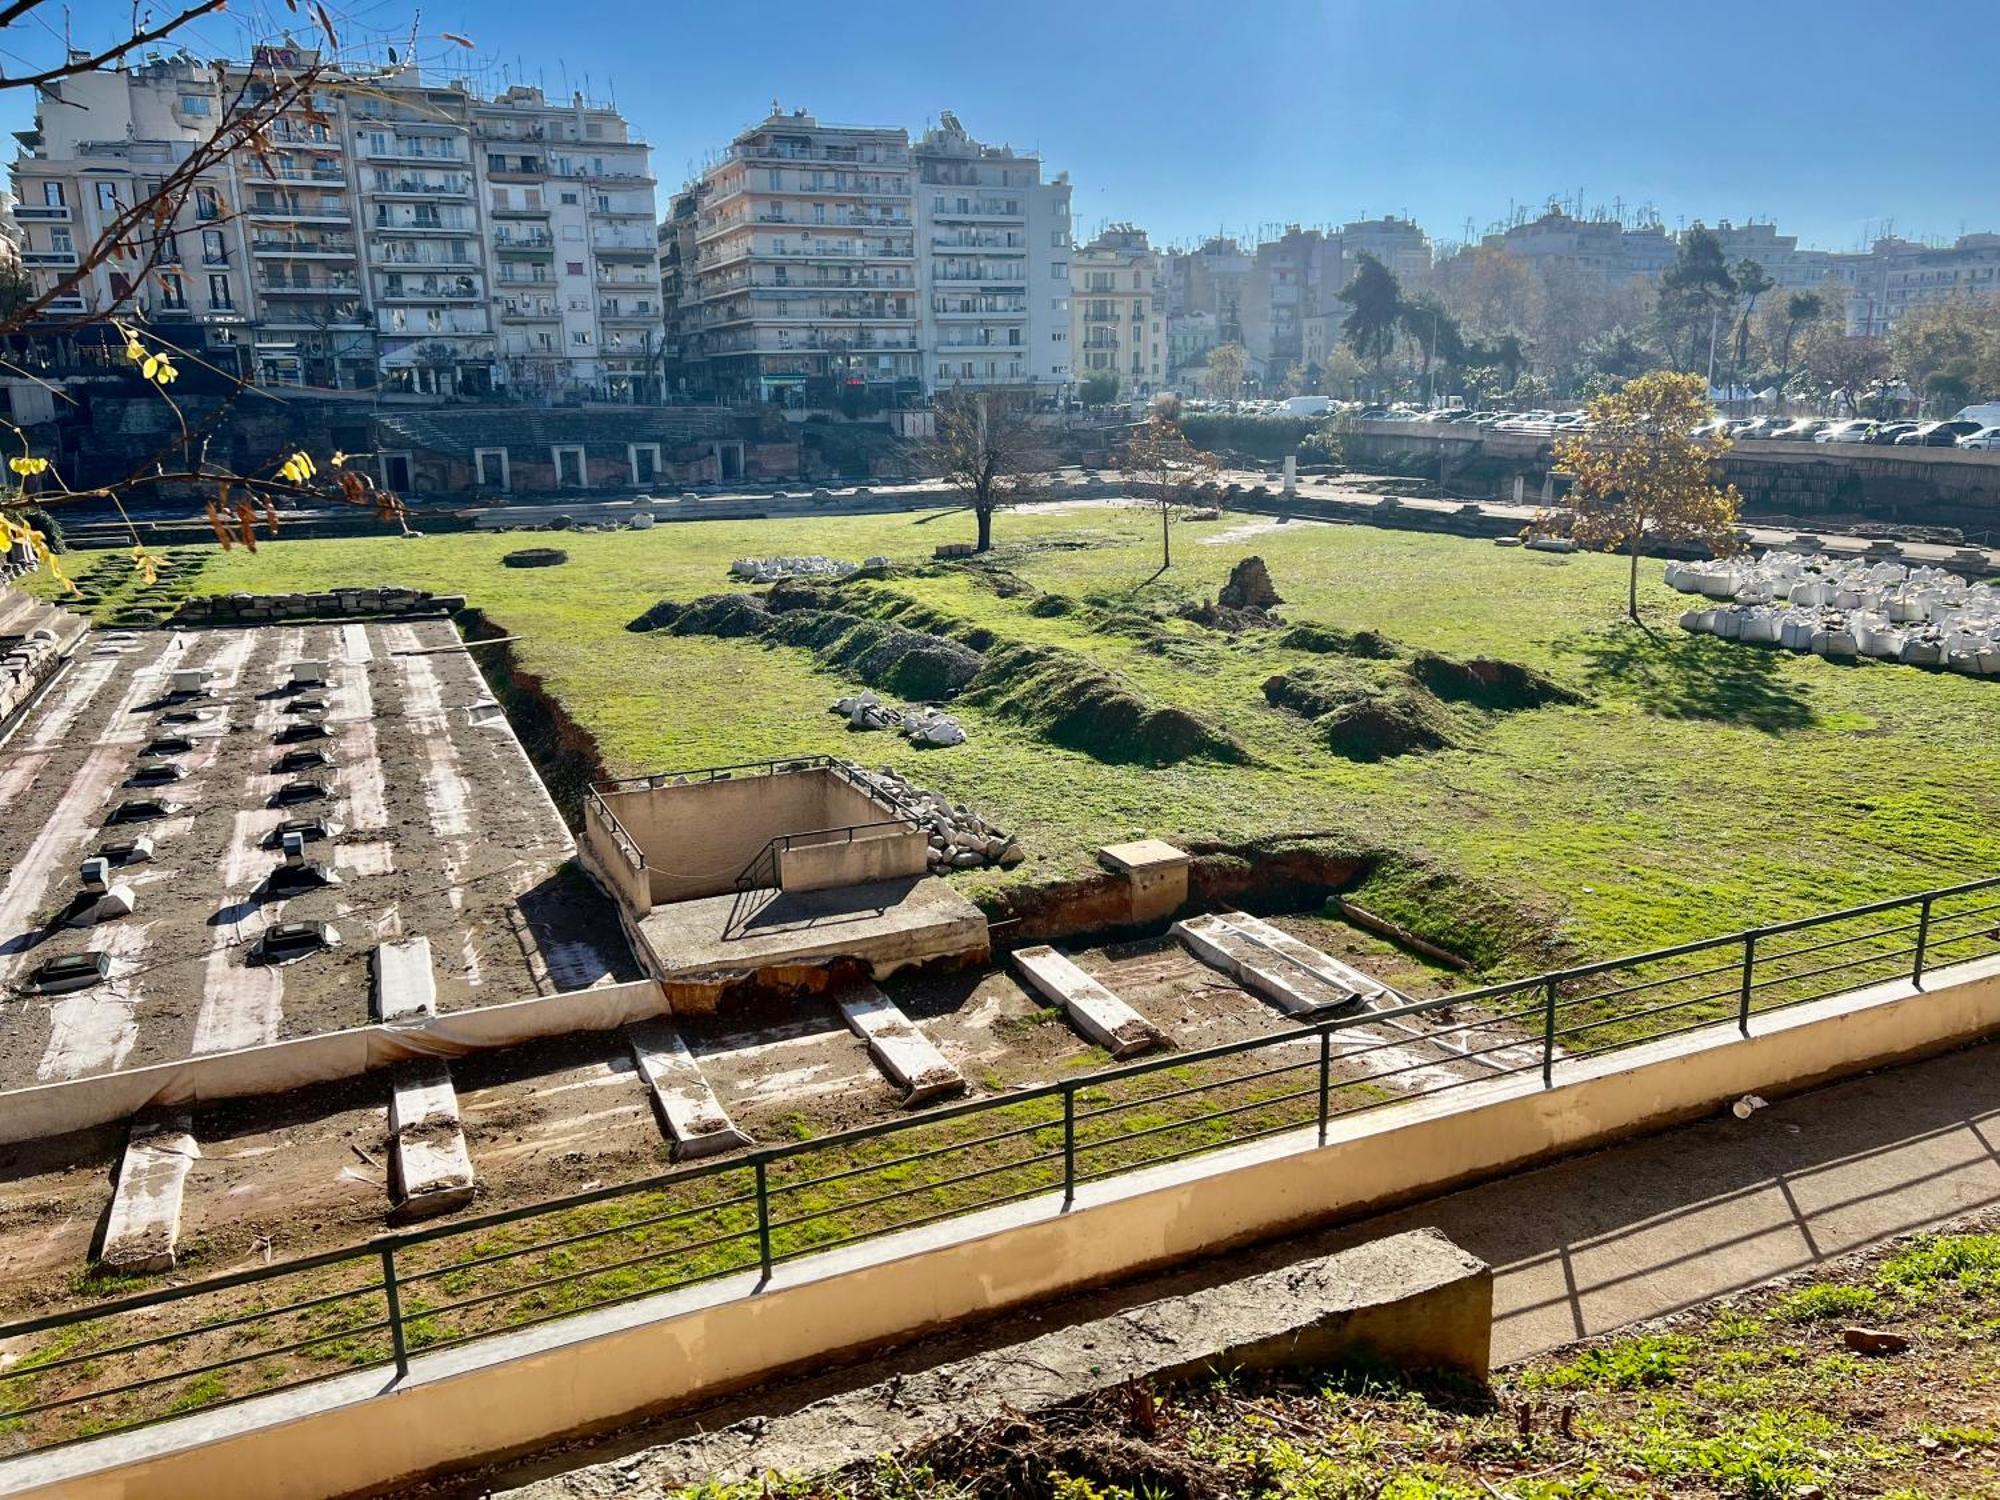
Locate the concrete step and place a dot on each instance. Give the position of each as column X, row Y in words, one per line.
column 1094, row 1010
column 1365, row 990
column 144, row 1225
column 909, row 1058
column 692, row 1116
column 405, row 984
column 1294, row 990
column 430, row 1171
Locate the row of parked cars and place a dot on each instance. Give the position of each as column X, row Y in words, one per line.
column 1958, row 432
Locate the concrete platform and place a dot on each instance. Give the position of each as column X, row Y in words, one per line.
column 1365, row 989
column 1096, row 1012
column 405, row 986
column 885, row 926
column 1295, row 990
column 692, row 1116
column 141, row 1231
column 911, row 1059
column 430, row 1171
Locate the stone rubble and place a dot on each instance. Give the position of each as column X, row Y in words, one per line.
column 772, row 569
column 959, row 838
column 920, row 726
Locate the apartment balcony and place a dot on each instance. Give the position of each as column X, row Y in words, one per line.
column 530, row 315
column 304, row 249
column 518, row 169
column 292, row 214
column 955, row 314
column 315, row 177
column 445, row 262
column 519, row 211
column 56, row 258
column 73, row 303
column 990, row 276
column 438, row 294
column 292, row 140
column 42, row 213
column 982, row 246
column 421, row 226
column 327, row 287
column 607, row 246
column 428, row 158
column 415, row 187
column 852, row 156
column 612, row 315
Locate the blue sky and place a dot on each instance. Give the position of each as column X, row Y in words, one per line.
column 1833, row 117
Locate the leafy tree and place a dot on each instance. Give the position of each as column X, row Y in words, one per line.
column 1752, row 281
column 1944, row 338
column 1227, row 364
column 1295, row 379
column 988, row 450
column 1099, row 388
column 1374, row 305
column 1639, row 474
column 1341, row 372
column 1695, row 292
column 1427, row 324
column 1801, row 308
column 1851, row 366
column 1163, row 467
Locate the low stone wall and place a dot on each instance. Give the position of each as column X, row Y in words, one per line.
column 258, row 609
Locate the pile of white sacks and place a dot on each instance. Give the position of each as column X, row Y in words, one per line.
column 775, row 569
column 929, row 727
column 959, row 838
column 1922, row 616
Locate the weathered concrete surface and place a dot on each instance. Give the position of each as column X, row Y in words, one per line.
column 1294, row 990
column 430, row 1170
column 700, row 948
column 405, row 986
column 145, row 1218
column 1414, row 1298
column 1324, row 966
column 1156, row 875
column 692, row 1116
column 910, row 1059
column 1097, row 1013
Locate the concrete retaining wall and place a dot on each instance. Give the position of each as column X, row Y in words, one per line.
column 259, row 609
column 519, row 1392
column 77, row 1103
column 882, row 854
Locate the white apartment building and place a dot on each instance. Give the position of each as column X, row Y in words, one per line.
column 103, row 142
column 1117, row 325
column 994, row 245
column 806, row 264
column 396, row 233
column 1897, row 275
column 574, row 244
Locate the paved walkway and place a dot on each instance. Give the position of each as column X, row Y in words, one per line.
column 1834, row 543
column 1584, row 1246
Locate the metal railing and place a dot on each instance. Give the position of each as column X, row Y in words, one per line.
column 761, row 881
column 134, row 1360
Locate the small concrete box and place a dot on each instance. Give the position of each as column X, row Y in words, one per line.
column 1156, row 874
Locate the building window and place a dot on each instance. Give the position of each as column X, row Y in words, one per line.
column 218, row 293
column 569, row 200
column 573, row 267
column 59, row 240
column 107, row 196
column 213, row 252
column 194, row 104
column 173, row 293
column 568, row 460
column 645, row 461
column 52, row 194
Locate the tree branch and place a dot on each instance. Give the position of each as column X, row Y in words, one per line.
column 109, row 54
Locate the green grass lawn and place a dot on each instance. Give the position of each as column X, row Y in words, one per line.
column 1702, row 787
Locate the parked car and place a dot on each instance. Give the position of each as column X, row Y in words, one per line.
column 1802, row 431
column 1987, row 439
column 1886, row 433
column 1757, row 427
column 1937, row 434
column 1853, row 430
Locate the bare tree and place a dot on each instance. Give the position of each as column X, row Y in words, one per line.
column 988, row 450
column 1163, row 468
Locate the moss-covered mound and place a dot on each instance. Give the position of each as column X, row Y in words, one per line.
column 1071, row 702
column 1363, row 720
column 1324, row 640
column 712, row 614
column 1486, row 683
